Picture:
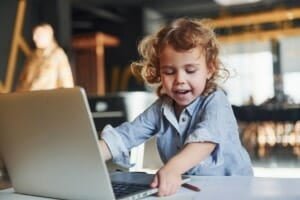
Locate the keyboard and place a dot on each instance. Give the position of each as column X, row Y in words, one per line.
column 124, row 189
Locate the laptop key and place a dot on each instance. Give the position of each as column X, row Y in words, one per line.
column 123, row 189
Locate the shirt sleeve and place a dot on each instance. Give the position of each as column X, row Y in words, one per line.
column 130, row 134
column 212, row 125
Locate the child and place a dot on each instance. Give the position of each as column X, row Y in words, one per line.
column 197, row 133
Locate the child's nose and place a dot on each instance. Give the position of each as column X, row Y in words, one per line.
column 180, row 78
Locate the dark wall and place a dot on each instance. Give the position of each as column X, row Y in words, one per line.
column 7, row 14
column 129, row 32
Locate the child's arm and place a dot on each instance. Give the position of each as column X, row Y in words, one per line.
column 168, row 178
column 105, row 150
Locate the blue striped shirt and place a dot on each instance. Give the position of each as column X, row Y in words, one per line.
column 207, row 119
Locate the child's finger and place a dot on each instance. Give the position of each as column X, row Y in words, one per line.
column 163, row 186
column 154, row 183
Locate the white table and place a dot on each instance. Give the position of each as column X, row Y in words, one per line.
column 240, row 188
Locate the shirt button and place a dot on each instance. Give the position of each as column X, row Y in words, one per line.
column 183, row 119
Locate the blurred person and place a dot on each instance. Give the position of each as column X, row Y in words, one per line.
column 196, row 130
column 48, row 66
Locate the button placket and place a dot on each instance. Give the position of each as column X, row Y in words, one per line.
column 183, row 119
column 178, row 146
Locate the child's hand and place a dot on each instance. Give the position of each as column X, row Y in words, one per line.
column 167, row 181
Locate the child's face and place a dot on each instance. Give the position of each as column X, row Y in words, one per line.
column 183, row 74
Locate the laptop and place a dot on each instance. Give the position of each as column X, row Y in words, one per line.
column 49, row 145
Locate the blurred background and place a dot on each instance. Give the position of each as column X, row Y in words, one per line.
column 260, row 45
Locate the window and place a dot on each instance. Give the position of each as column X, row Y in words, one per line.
column 251, row 68
column 290, row 65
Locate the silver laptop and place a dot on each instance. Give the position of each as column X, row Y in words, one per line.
column 49, row 145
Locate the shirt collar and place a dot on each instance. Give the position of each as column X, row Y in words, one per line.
column 191, row 108
column 167, row 104
column 168, row 111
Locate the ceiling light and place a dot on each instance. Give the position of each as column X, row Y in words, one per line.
column 234, row 2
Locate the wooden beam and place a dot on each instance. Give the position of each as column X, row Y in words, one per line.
column 256, row 18
column 17, row 41
column 24, row 46
column 259, row 35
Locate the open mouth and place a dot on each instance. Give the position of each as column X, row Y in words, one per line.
column 181, row 92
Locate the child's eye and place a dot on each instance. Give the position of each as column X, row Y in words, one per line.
column 168, row 71
column 190, row 71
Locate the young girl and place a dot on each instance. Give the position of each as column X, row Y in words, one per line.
column 197, row 133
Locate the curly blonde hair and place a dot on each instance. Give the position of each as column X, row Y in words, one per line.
column 182, row 34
